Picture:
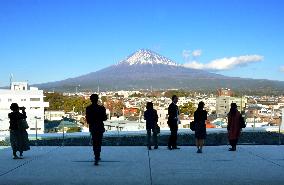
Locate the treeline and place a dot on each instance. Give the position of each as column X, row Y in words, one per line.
column 67, row 103
column 57, row 101
column 78, row 104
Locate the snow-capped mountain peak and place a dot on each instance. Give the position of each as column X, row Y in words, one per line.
column 145, row 56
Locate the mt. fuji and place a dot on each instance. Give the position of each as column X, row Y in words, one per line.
column 144, row 56
column 145, row 69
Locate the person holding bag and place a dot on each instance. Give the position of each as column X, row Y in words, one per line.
column 18, row 134
column 151, row 117
column 200, row 116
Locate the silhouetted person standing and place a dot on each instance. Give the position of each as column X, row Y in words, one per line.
column 95, row 115
column 18, row 134
column 173, row 121
column 234, row 128
column 151, row 117
column 200, row 116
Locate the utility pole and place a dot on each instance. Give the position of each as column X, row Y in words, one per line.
column 11, row 79
column 279, row 131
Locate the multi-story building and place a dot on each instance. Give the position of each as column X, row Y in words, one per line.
column 224, row 100
column 224, row 92
column 31, row 98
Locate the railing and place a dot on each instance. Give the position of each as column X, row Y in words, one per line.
column 118, row 137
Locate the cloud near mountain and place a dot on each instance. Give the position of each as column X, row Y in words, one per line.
column 282, row 68
column 196, row 53
column 186, row 54
column 226, row 63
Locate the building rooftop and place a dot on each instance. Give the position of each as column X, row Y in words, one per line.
column 250, row 165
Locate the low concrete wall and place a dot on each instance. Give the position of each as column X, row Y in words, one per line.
column 184, row 139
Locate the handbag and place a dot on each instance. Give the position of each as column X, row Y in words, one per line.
column 23, row 124
column 242, row 122
column 158, row 129
column 192, row 126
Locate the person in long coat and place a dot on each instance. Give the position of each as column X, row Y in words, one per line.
column 95, row 115
column 151, row 117
column 200, row 116
column 234, row 128
column 18, row 135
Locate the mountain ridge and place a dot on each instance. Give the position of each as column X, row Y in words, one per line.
column 144, row 69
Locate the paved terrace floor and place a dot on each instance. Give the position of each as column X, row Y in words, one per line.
column 250, row 165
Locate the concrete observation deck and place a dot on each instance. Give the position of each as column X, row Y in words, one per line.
column 123, row 165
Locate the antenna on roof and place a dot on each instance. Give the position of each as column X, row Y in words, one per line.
column 11, row 79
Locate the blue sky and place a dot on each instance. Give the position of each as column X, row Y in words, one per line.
column 51, row 40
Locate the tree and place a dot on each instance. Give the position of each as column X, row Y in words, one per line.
column 179, row 93
column 118, row 108
column 187, row 109
column 104, row 99
column 56, row 101
column 115, row 107
column 139, row 95
column 59, row 102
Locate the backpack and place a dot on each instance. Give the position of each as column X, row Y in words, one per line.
column 242, row 122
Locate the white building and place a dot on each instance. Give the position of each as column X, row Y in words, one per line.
column 162, row 118
column 54, row 115
column 210, row 103
column 183, row 100
column 223, row 104
column 126, row 94
column 31, row 98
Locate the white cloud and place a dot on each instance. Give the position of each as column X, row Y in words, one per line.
column 194, row 65
column 225, row 63
column 186, row 53
column 196, row 53
column 282, row 68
